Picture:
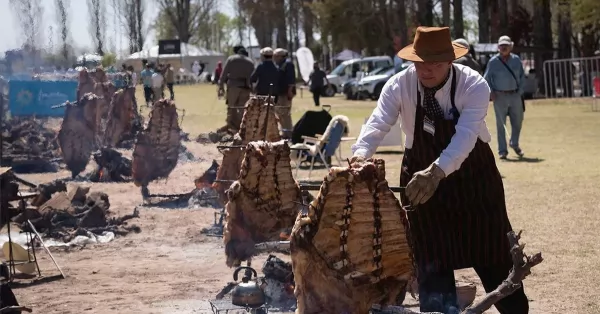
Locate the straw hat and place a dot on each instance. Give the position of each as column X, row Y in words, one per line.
column 432, row 44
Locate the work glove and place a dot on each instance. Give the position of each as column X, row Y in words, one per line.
column 357, row 161
column 423, row 184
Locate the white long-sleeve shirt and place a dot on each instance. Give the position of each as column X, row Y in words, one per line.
column 399, row 99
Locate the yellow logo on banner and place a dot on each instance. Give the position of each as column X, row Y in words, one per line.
column 24, row 98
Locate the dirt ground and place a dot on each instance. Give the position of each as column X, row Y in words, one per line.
column 170, row 267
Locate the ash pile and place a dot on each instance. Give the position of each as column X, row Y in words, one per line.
column 28, row 146
column 59, row 212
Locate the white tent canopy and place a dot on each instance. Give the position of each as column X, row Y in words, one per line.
column 189, row 54
column 187, row 50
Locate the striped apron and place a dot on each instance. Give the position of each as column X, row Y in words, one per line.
column 464, row 224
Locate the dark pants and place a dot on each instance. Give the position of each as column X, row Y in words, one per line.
column 148, row 94
column 437, row 290
column 316, row 91
column 170, row 87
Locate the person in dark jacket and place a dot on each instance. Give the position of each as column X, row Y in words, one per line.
column 287, row 90
column 265, row 74
column 468, row 58
column 317, row 81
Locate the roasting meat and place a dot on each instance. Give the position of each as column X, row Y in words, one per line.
column 157, row 147
column 262, row 202
column 255, row 121
column 252, row 129
column 122, row 115
column 78, row 133
column 351, row 250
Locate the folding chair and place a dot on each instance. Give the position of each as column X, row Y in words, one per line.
column 324, row 147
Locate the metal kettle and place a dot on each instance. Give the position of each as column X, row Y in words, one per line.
column 247, row 293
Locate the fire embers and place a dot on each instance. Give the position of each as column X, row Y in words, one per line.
column 111, row 166
column 78, row 133
column 258, row 121
column 262, row 202
column 157, row 146
column 352, row 243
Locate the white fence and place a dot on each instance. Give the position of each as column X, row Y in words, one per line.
column 571, row 77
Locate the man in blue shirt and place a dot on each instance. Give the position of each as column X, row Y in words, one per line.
column 146, row 75
column 505, row 75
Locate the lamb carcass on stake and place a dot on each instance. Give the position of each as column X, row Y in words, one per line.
column 157, row 146
column 252, row 129
column 78, row 132
column 122, row 115
column 351, row 250
column 262, row 202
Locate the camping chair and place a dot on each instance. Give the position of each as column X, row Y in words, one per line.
column 324, row 147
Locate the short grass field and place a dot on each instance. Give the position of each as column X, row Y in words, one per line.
column 553, row 194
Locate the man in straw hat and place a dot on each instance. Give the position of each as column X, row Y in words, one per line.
column 454, row 195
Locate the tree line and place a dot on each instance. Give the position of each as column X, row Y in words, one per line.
column 556, row 28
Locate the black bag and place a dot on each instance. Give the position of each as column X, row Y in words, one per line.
column 516, row 81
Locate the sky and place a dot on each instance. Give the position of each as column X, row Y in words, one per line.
column 79, row 29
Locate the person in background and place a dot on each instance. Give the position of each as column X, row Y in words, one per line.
column 146, row 76
column 157, row 83
column 265, row 74
column 236, row 73
column 468, row 58
column 170, row 80
column 317, row 82
column 218, row 72
column 134, row 80
column 287, row 90
column 505, row 76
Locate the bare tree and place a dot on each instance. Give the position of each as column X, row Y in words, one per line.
column 131, row 15
column 28, row 13
column 97, row 15
column 63, row 22
column 186, row 15
column 459, row 26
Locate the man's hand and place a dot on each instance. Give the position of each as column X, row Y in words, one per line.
column 290, row 94
column 220, row 92
column 423, row 184
column 493, row 96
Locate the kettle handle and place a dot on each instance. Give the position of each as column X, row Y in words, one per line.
column 237, row 271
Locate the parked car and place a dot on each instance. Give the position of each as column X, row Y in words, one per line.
column 350, row 88
column 350, row 69
column 370, row 86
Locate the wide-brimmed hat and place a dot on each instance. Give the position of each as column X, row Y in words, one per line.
column 280, row 52
column 432, row 44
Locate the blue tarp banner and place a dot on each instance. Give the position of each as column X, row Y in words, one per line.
column 27, row 98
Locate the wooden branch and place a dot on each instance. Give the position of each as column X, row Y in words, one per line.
column 522, row 265
column 273, row 246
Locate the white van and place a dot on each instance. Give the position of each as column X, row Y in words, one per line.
column 353, row 69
